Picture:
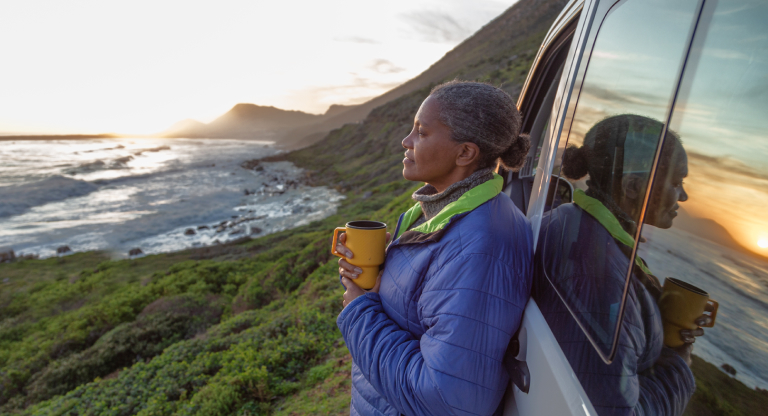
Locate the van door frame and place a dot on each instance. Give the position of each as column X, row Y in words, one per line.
column 554, row 387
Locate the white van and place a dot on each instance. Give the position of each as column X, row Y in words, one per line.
column 645, row 93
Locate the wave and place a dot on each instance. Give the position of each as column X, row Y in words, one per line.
column 119, row 146
column 119, row 163
column 151, row 150
column 138, row 177
column 16, row 199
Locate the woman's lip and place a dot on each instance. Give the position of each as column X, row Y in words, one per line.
column 406, row 160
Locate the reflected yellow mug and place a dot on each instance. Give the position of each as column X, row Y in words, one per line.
column 680, row 304
column 367, row 240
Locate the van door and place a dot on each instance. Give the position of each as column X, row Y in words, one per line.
column 627, row 59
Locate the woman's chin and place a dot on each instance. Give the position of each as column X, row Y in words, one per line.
column 665, row 222
column 409, row 174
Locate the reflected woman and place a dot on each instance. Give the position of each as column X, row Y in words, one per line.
column 429, row 339
column 584, row 252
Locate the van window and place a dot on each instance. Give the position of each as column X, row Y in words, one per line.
column 706, row 221
column 536, row 114
column 584, row 251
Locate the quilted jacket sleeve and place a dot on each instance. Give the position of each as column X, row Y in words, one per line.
column 616, row 390
column 620, row 390
column 471, row 307
column 666, row 387
column 644, row 378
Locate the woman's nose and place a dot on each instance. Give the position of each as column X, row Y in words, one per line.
column 408, row 141
column 683, row 196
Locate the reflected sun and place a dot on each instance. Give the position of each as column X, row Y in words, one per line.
column 762, row 243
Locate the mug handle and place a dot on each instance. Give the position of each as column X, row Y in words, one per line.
column 712, row 314
column 335, row 239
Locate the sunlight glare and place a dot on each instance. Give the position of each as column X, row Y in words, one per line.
column 762, row 243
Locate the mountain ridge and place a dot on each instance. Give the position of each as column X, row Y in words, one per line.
column 510, row 41
column 711, row 230
column 243, row 120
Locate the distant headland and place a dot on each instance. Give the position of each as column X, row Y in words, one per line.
column 62, row 137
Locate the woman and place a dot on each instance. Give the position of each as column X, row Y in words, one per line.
column 584, row 252
column 429, row 339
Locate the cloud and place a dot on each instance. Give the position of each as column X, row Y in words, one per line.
column 730, row 165
column 624, row 101
column 357, row 39
column 384, row 66
column 356, row 91
column 436, row 27
column 727, row 54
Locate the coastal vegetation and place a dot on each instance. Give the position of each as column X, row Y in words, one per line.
column 246, row 328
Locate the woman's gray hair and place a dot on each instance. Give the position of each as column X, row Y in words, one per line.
column 486, row 116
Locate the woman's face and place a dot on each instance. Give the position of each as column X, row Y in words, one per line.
column 430, row 154
column 663, row 202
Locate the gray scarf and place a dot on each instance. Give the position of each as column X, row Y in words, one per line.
column 433, row 202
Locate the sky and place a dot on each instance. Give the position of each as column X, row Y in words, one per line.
column 137, row 67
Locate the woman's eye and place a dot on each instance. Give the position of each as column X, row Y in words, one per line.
column 421, row 133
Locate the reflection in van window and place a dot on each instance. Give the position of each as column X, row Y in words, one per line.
column 586, row 275
column 632, row 70
column 585, row 250
column 718, row 240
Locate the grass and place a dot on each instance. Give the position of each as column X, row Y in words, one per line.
column 718, row 394
column 233, row 329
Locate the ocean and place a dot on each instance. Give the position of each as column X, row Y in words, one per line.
column 738, row 281
column 158, row 195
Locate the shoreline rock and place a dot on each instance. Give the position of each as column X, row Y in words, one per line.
column 63, row 251
column 7, row 255
column 728, row 369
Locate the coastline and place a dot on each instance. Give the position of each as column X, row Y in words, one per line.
column 175, row 197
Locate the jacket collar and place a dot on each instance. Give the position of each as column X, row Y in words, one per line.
column 436, row 226
column 597, row 210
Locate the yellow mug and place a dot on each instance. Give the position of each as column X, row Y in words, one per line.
column 680, row 304
column 367, row 240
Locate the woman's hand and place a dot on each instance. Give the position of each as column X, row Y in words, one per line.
column 353, row 290
column 346, row 269
column 350, row 272
column 689, row 336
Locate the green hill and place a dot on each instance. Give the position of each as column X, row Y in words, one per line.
column 246, row 328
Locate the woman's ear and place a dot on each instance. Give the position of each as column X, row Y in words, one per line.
column 469, row 154
column 634, row 186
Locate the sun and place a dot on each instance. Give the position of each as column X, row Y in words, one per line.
column 762, row 243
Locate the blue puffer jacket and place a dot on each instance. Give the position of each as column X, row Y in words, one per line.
column 585, row 261
column 452, row 294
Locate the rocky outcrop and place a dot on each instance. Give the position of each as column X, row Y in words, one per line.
column 63, row 250
column 728, row 369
